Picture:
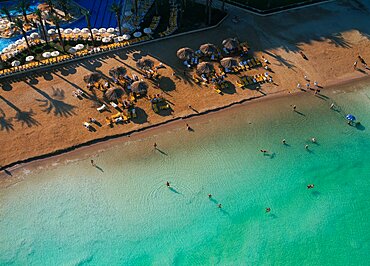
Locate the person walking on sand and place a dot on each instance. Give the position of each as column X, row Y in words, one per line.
column 188, row 127
column 155, row 145
column 92, row 162
column 294, row 107
column 283, row 141
column 355, row 65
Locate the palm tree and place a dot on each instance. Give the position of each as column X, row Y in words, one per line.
column 136, row 3
column 64, row 5
column 19, row 24
column 116, row 8
column 87, row 15
column 56, row 21
column 6, row 12
column 24, row 5
column 39, row 17
column 51, row 6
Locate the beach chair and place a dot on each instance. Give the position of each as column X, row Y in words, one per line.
column 101, row 108
column 113, row 104
column 239, row 84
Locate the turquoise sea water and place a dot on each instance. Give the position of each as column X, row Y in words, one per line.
column 122, row 213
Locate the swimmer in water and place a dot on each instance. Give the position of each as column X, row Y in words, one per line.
column 268, row 209
column 313, row 140
column 219, row 205
column 310, row 186
column 306, row 147
column 209, row 195
column 263, row 151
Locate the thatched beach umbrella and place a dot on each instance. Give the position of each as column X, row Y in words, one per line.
column 204, row 68
column 208, row 49
column 229, row 62
column 139, row 87
column 230, row 43
column 117, row 71
column 185, row 53
column 145, row 63
column 93, row 77
column 114, row 93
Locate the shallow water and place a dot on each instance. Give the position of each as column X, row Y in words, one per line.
column 122, row 213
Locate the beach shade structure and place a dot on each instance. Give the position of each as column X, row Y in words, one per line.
column 68, row 31
column 55, row 53
column 350, row 117
column 92, row 78
column 46, row 54
column 51, row 31
column 16, row 63
column 229, row 62
column 19, row 42
column 126, row 36
column 208, row 49
column 147, row 31
column 34, row 35
column 204, row 68
column 106, row 40
column 30, row 58
column 85, row 30
column 72, row 50
column 145, row 63
column 117, row 71
column 5, row 50
column 185, row 53
column 139, row 87
column 231, row 44
column 137, row 34
column 110, row 30
column 76, row 30
column 79, row 46
column 128, row 13
column 114, row 93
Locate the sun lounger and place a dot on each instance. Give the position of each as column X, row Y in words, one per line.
column 113, row 104
column 101, row 108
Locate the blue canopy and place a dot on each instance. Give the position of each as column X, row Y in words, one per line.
column 351, row 117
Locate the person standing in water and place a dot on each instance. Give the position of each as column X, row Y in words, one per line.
column 168, row 184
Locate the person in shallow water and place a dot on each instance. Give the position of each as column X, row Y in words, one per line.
column 168, row 184
column 310, row 186
column 283, row 141
column 209, row 195
column 268, row 209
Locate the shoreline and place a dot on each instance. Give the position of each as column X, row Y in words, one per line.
column 140, row 133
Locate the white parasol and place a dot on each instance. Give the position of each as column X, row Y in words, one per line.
column 67, row 31
column 16, row 63
column 85, row 30
column 126, row 36
column 72, row 50
column 51, row 31
column 94, row 30
column 76, row 30
column 46, row 54
column 54, row 53
column 147, row 30
column 137, row 34
column 29, row 58
column 79, row 46
column 110, row 30
column 106, row 40
column 102, row 30
column 34, row 35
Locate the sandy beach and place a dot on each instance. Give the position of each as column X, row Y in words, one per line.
column 39, row 115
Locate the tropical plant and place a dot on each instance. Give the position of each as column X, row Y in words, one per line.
column 116, row 8
column 87, row 15
column 64, row 5
column 136, row 4
column 56, row 22
column 19, row 25
column 38, row 13
column 23, row 6
column 6, row 12
column 51, row 5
